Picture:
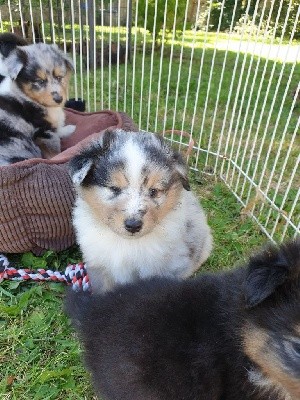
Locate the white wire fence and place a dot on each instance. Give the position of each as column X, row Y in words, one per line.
column 225, row 72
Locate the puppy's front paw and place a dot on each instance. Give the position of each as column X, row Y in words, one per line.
column 66, row 131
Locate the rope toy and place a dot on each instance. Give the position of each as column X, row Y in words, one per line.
column 75, row 274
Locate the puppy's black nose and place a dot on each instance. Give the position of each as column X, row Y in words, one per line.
column 57, row 97
column 133, row 225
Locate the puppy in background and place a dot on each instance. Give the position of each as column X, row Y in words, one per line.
column 228, row 336
column 32, row 119
column 135, row 215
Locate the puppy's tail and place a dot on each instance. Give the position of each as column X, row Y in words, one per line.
column 270, row 269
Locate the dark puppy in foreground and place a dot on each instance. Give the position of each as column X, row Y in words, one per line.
column 228, row 336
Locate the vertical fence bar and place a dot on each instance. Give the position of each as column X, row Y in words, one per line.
column 102, row 58
column 118, row 57
column 151, row 66
column 95, row 56
column 127, row 49
column 52, row 23
column 74, row 50
column 10, row 16
column 170, row 66
column 220, row 86
column 62, row 6
column 191, row 63
column 160, row 66
column 134, row 58
column 195, row 111
column 87, row 38
column 143, row 66
column 178, row 84
column 1, row 22
column 211, row 70
column 79, row 47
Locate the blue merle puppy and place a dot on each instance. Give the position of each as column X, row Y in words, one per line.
column 32, row 118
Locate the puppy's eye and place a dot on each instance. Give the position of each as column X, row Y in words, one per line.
column 59, row 78
column 116, row 190
column 40, row 81
column 153, row 193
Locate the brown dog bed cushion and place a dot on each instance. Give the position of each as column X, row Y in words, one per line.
column 36, row 196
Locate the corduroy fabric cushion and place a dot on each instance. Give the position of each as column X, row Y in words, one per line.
column 37, row 195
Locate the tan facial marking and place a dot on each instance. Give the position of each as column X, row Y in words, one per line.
column 102, row 211
column 118, row 179
column 43, row 97
column 172, row 197
column 58, row 72
column 172, row 194
column 257, row 349
column 154, row 180
column 41, row 74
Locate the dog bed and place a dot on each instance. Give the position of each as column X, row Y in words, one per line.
column 36, row 195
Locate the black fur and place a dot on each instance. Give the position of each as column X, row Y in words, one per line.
column 9, row 41
column 161, row 339
column 29, row 112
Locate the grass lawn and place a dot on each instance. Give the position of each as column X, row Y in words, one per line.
column 40, row 357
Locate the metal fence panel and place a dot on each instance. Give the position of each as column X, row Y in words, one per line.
column 225, row 72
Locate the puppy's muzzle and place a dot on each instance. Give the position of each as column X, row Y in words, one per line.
column 57, row 97
column 133, row 225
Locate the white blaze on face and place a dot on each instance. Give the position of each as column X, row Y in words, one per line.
column 135, row 161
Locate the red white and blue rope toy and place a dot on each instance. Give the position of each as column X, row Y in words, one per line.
column 75, row 274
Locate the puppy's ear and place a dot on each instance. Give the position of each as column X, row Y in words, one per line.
column 107, row 139
column 15, row 62
column 9, row 41
column 81, row 165
column 269, row 270
column 67, row 59
column 181, row 169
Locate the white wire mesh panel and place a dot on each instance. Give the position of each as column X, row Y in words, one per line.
column 226, row 72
